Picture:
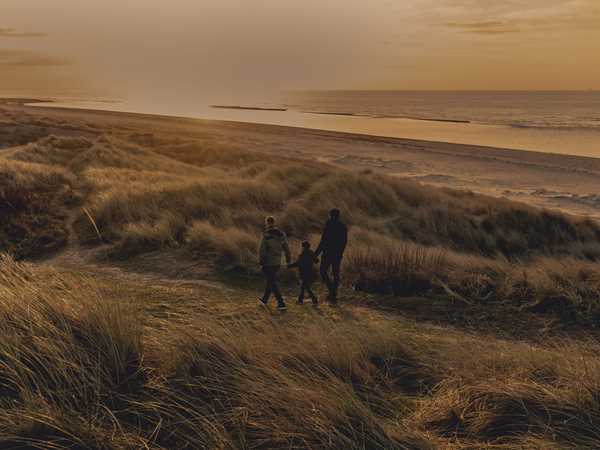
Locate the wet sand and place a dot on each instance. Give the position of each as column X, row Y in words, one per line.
column 568, row 183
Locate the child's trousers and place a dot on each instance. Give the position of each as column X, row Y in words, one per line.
column 306, row 287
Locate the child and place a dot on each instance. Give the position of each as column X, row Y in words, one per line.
column 306, row 265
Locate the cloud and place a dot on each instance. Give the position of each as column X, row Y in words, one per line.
column 513, row 16
column 23, row 58
column 490, row 27
column 12, row 33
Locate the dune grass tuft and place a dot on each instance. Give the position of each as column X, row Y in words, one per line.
column 33, row 207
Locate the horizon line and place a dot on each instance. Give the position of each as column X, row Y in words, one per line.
column 444, row 90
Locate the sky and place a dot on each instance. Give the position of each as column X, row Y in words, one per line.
column 192, row 48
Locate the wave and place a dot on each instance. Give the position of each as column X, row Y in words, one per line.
column 384, row 116
column 336, row 113
column 424, row 119
column 553, row 126
column 247, row 108
column 594, row 125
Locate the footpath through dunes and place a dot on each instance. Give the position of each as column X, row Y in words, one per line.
column 170, row 198
column 178, row 199
column 473, row 325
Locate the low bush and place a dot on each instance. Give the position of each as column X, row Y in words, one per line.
column 568, row 288
column 234, row 248
column 33, row 208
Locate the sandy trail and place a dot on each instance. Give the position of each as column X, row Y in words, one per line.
column 165, row 300
column 75, row 257
column 192, row 303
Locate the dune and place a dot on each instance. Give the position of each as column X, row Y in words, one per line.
column 128, row 280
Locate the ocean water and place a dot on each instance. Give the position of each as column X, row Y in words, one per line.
column 566, row 110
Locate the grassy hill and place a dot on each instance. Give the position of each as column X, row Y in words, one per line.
column 130, row 320
column 141, row 194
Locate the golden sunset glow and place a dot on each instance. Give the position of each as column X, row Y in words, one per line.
column 184, row 46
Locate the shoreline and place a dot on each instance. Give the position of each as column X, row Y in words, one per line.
column 547, row 141
column 371, row 138
column 349, row 134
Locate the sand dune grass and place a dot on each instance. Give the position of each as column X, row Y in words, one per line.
column 79, row 369
column 563, row 289
column 136, row 178
column 33, row 207
column 147, row 193
column 230, row 191
column 135, row 182
column 406, row 239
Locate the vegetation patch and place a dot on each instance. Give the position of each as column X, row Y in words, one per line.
column 33, row 208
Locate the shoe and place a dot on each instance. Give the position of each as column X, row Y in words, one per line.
column 262, row 302
column 315, row 301
column 281, row 307
column 300, row 302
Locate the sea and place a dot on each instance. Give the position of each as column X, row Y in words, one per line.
column 565, row 122
column 567, row 110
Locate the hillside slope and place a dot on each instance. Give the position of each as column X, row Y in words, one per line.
column 467, row 321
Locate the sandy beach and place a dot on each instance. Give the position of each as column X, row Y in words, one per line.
column 567, row 183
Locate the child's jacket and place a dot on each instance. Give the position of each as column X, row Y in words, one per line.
column 306, row 264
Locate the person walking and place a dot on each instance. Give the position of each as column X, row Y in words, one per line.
column 332, row 246
column 273, row 245
column 306, row 266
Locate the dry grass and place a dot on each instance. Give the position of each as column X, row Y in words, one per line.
column 233, row 247
column 149, row 192
column 490, row 291
column 134, row 185
column 139, row 217
column 33, row 204
column 78, row 369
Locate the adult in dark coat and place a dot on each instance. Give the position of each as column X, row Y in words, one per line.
column 332, row 246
